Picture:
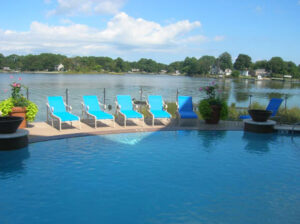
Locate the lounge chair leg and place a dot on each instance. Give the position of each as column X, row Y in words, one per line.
column 152, row 121
column 59, row 126
column 95, row 123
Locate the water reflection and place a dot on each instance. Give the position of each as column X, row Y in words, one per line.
column 211, row 138
column 258, row 143
column 12, row 162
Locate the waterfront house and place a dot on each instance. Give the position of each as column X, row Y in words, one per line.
column 244, row 73
column 260, row 72
column 6, row 69
column 59, row 67
column 135, row 70
column 227, row 72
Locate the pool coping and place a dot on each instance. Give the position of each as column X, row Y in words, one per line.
column 42, row 131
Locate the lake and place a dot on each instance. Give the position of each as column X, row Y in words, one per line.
column 235, row 91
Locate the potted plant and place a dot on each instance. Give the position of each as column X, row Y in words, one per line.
column 17, row 105
column 213, row 107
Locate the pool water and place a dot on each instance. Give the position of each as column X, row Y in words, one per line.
column 161, row 177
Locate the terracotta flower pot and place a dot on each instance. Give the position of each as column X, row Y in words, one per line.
column 215, row 115
column 20, row 112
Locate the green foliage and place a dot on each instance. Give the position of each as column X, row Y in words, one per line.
column 6, row 106
column 205, row 109
column 243, row 62
column 256, row 105
column 233, row 114
column 224, row 61
column 31, row 111
column 235, row 74
column 172, row 108
column 224, row 110
column 289, row 116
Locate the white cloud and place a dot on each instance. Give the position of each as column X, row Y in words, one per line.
column 86, row 7
column 219, row 38
column 122, row 34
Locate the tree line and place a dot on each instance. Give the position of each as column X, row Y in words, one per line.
column 190, row 66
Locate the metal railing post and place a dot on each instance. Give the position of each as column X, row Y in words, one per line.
column 250, row 103
column 141, row 94
column 27, row 93
column 104, row 96
column 67, row 97
column 285, row 102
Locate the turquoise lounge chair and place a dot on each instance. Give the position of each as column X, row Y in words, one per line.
column 124, row 107
column 185, row 109
column 273, row 105
column 91, row 107
column 156, row 108
column 57, row 109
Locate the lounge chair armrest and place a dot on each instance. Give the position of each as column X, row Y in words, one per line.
column 69, row 107
column 165, row 106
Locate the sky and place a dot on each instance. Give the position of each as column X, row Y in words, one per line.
column 163, row 30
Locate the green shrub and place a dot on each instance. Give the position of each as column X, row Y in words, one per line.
column 235, row 74
column 289, row 116
column 172, row 109
column 31, row 111
column 7, row 105
column 233, row 113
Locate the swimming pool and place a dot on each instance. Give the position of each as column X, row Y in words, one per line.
column 160, row 177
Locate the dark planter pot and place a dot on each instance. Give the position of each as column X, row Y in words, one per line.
column 260, row 115
column 10, row 124
column 215, row 115
column 20, row 112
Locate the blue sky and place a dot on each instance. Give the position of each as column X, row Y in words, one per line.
column 162, row 30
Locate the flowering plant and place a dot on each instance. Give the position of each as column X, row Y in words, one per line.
column 17, row 99
column 213, row 98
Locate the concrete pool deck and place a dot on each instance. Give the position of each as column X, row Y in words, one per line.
column 43, row 131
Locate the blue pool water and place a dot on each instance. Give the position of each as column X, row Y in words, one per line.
column 161, row 177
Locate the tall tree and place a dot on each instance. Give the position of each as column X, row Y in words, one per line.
column 205, row 63
column 243, row 62
column 224, row 61
column 276, row 66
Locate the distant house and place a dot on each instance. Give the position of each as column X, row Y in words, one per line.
column 228, row 72
column 244, row 73
column 177, row 72
column 215, row 70
column 6, row 69
column 59, row 67
column 163, row 71
column 287, row 76
column 260, row 72
column 135, row 70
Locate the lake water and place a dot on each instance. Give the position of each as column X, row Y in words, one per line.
column 235, row 91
